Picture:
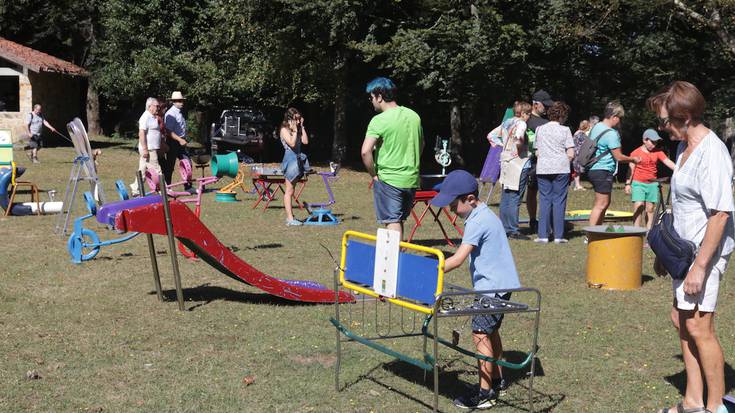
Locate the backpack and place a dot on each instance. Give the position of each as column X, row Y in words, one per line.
column 586, row 156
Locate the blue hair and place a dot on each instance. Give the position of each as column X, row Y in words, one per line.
column 383, row 87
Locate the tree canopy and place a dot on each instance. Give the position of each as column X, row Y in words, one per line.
column 458, row 62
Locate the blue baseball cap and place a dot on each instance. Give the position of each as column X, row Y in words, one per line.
column 651, row 135
column 456, row 184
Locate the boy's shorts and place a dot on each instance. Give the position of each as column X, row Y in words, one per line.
column 487, row 324
column 602, row 180
column 643, row 192
column 392, row 205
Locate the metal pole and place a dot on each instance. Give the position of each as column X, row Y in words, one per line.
column 436, row 363
column 151, row 247
column 339, row 341
column 535, row 350
column 171, row 241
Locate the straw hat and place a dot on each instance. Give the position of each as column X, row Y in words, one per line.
column 177, row 96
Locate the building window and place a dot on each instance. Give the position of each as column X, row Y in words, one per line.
column 9, row 94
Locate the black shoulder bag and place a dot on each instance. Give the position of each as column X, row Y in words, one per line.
column 675, row 253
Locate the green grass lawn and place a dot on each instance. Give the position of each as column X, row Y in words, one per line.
column 100, row 340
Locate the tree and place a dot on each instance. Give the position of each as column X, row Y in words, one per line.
column 453, row 51
column 711, row 18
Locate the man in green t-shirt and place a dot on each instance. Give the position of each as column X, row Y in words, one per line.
column 391, row 153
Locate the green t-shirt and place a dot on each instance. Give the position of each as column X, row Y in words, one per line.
column 398, row 149
column 610, row 140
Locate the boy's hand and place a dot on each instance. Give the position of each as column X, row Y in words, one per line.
column 627, row 189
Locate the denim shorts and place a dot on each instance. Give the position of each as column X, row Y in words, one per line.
column 487, row 324
column 602, row 180
column 290, row 166
column 392, row 204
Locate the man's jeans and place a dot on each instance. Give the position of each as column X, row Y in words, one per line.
column 510, row 204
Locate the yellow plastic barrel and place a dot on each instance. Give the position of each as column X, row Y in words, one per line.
column 614, row 258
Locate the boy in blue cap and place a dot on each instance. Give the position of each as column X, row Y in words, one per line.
column 491, row 268
column 642, row 185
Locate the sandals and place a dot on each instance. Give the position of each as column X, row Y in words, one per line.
column 681, row 409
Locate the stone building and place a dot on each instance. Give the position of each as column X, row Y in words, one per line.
column 27, row 77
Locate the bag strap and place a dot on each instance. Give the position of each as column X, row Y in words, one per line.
column 600, row 156
column 509, row 137
column 661, row 207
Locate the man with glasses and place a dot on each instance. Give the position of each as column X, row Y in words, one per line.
column 149, row 141
column 391, row 153
column 601, row 174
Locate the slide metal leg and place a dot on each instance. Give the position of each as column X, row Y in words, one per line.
column 171, row 241
column 152, row 249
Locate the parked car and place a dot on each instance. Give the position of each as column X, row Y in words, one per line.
column 242, row 130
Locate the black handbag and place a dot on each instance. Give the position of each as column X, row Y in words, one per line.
column 675, row 253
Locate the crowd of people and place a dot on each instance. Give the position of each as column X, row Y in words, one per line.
column 541, row 156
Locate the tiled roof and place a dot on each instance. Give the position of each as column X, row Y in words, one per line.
column 37, row 61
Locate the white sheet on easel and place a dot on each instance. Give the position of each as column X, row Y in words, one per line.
column 385, row 275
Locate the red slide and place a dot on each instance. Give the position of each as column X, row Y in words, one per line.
column 196, row 236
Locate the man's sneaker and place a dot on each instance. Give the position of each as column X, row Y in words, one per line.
column 561, row 241
column 541, row 240
column 481, row 400
column 500, row 386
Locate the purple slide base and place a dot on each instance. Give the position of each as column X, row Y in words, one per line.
column 107, row 213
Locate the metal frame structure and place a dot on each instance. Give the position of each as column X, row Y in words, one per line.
column 452, row 302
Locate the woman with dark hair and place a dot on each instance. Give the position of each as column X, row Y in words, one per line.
column 702, row 204
column 293, row 135
column 554, row 149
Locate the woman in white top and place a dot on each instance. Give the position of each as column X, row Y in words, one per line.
column 702, row 204
column 555, row 151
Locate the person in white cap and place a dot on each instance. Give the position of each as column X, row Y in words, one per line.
column 642, row 186
column 176, row 125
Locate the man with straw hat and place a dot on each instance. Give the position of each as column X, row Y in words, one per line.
column 176, row 125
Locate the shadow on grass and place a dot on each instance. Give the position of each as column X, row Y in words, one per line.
column 436, row 242
column 205, row 294
column 256, row 247
column 679, row 380
column 452, row 387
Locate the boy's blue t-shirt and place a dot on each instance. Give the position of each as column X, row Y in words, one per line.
column 491, row 262
column 611, row 140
